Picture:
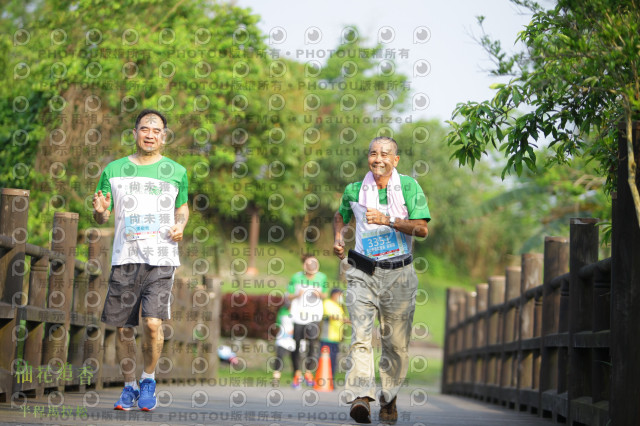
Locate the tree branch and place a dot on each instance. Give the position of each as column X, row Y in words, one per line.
column 631, row 165
column 173, row 9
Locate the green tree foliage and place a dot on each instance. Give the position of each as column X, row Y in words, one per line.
column 575, row 82
column 240, row 118
column 359, row 95
column 259, row 133
column 76, row 75
column 475, row 237
column 541, row 203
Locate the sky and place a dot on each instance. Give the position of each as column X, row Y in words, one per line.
column 444, row 63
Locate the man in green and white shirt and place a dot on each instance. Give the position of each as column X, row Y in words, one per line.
column 147, row 194
column 389, row 210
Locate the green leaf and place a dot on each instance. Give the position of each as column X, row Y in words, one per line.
column 518, row 167
column 516, row 95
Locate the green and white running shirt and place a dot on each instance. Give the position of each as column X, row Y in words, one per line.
column 380, row 241
column 307, row 307
column 144, row 199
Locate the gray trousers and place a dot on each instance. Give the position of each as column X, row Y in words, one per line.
column 389, row 295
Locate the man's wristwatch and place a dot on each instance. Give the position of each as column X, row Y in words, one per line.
column 392, row 221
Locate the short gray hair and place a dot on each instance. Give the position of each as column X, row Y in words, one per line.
column 385, row 139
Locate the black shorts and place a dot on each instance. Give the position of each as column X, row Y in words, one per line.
column 136, row 285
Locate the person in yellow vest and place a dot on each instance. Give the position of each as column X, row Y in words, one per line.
column 333, row 319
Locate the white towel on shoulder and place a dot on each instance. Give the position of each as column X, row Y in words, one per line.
column 369, row 197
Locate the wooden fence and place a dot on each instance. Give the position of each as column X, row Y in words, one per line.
column 50, row 303
column 537, row 342
column 558, row 336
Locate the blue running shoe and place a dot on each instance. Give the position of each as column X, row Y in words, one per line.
column 148, row 400
column 308, row 378
column 128, row 399
column 295, row 383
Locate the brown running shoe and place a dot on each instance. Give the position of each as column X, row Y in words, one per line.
column 360, row 410
column 388, row 411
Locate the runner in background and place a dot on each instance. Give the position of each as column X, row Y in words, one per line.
column 285, row 344
column 334, row 318
column 306, row 291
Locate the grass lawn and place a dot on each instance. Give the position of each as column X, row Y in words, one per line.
column 276, row 263
column 262, row 378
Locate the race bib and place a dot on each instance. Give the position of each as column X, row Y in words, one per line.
column 140, row 227
column 380, row 244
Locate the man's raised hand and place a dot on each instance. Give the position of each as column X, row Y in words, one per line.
column 100, row 202
column 101, row 205
column 338, row 248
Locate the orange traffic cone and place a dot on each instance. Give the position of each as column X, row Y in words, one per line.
column 324, row 376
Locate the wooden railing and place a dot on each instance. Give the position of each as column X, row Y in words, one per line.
column 50, row 304
column 537, row 339
column 569, row 348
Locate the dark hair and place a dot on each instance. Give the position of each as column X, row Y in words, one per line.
column 384, row 139
column 306, row 256
column 148, row 111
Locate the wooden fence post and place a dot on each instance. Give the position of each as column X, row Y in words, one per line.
column 563, row 347
column 601, row 366
column 583, row 251
column 213, row 285
column 460, row 340
column 185, row 332
column 469, row 340
column 512, row 290
column 99, row 245
column 494, row 332
column 38, row 280
column 78, row 331
column 509, row 331
column 556, row 263
column 528, row 354
column 63, row 240
column 624, row 408
column 200, row 301
column 449, row 367
column 14, row 210
column 480, row 340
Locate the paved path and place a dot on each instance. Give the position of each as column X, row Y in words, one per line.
column 236, row 406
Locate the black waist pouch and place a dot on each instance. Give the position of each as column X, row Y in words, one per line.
column 362, row 262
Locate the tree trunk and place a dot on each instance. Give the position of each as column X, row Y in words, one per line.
column 254, row 234
column 301, row 229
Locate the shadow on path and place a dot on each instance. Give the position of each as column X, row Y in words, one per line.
column 236, row 406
